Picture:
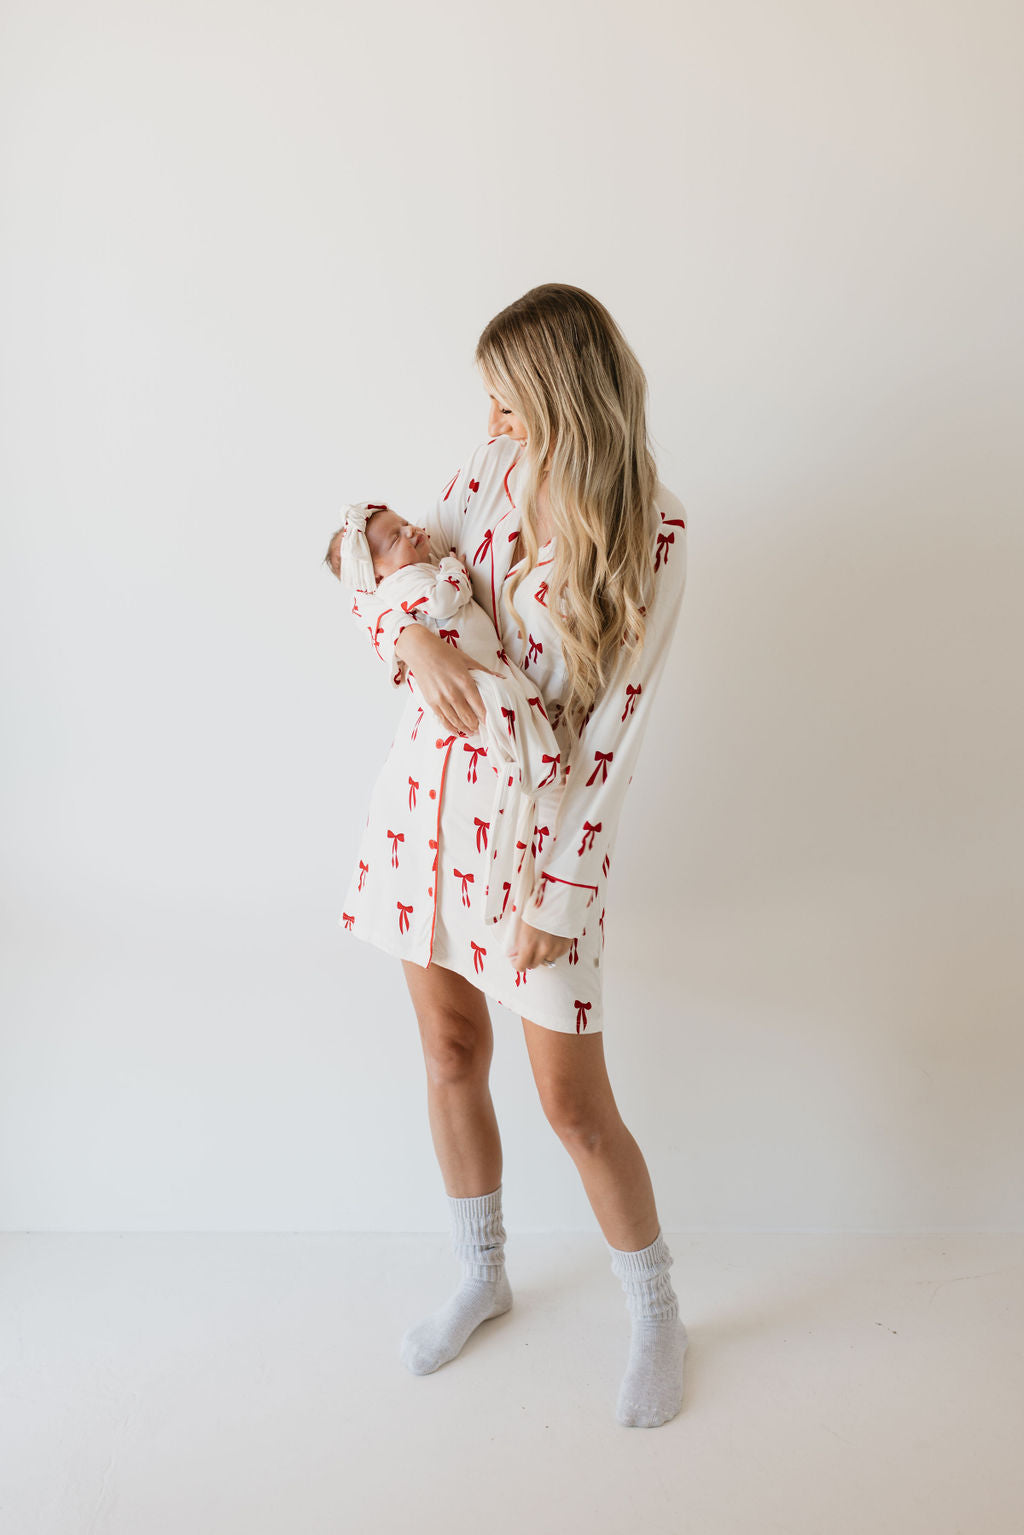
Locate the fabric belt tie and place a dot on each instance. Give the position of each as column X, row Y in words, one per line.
column 520, row 769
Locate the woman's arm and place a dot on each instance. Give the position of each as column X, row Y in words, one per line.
column 569, row 877
column 444, row 678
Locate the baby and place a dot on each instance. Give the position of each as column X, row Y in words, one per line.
column 388, row 562
column 388, row 544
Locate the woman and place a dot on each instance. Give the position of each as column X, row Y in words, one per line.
column 578, row 552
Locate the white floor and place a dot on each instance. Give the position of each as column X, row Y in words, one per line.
column 213, row 1384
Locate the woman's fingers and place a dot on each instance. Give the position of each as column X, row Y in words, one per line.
column 457, row 701
column 463, row 708
column 457, row 713
column 476, row 703
column 469, row 703
column 532, row 946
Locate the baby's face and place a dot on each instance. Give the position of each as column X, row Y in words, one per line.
column 393, row 543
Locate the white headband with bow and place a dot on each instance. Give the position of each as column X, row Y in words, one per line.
column 356, row 567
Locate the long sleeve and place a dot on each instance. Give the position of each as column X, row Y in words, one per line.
column 570, row 875
column 383, row 622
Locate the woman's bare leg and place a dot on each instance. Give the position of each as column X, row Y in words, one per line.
column 577, row 1099
column 458, row 1044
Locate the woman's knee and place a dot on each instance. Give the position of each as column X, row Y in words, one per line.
column 577, row 1120
column 455, row 1048
column 454, row 1024
column 573, row 1086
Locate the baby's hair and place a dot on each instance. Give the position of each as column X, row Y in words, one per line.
column 336, row 547
column 337, row 535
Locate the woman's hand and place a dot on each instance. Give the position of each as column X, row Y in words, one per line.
column 444, row 677
column 531, row 946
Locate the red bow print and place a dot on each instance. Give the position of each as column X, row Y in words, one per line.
column 632, row 694
column 482, row 828
column 432, row 842
column 403, row 916
column 574, row 952
column 664, row 539
column 348, row 921
column 407, row 607
column 602, row 759
column 510, row 721
column 364, row 869
column 413, row 786
column 478, row 954
column 375, row 632
column 467, row 880
column 475, row 752
column 535, row 648
column 451, row 635
column 419, row 717
column 485, row 546
column 397, row 837
column 539, row 833
column 553, row 770
column 541, row 594
column 582, row 1009
column 588, row 832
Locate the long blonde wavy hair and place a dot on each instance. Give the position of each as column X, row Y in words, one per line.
column 560, row 362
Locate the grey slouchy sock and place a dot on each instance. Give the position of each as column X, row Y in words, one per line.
column 478, row 1237
column 652, row 1387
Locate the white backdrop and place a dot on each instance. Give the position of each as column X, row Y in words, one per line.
column 247, row 253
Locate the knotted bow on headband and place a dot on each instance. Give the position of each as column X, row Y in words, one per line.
column 356, row 561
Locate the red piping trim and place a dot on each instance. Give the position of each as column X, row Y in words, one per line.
column 539, row 563
column 437, row 839
column 494, row 604
column 508, row 471
column 575, row 883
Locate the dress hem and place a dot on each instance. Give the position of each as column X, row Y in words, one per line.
column 474, row 979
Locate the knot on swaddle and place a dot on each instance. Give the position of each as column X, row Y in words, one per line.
column 355, row 559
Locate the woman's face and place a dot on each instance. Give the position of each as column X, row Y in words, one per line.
column 502, row 420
